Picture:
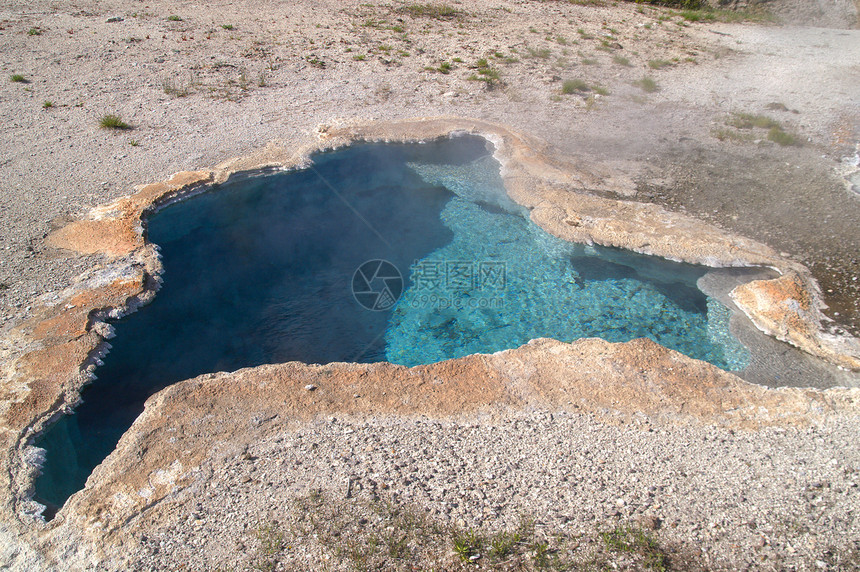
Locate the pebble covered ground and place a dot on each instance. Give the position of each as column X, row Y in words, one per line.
column 715, row 499
column 201, row 83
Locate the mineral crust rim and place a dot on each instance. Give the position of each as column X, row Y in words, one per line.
column 66, row 339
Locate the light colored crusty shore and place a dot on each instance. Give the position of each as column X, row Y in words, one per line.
column 709, row 455
column 586, row 377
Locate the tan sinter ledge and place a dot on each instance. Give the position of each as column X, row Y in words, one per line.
column 51, row 357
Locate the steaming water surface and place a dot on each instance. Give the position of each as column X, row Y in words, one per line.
column 264, row 271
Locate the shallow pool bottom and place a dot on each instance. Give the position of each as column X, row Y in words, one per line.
column 263, row 271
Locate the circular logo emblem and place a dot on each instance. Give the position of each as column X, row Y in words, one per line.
column 377, row 285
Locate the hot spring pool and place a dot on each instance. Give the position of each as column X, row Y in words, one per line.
column 405, row 253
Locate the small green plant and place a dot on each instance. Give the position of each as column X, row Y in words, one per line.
column 488, row 75
column 174, row 18
column 227, row 26
column 589, row 62
column 658, row 64
column 47, row 104
column 134, row 142
column 647, row 84
column 697, row 15
column 503, row 544
column 606, row 46
column 638, row 542
column 584, row 35
column 541, row 53
column 467, row 544
column 174, row 88
column 679, row 4
column 112, row 121
column 780, row 137
column 445, row 68
column 621, row 60
column 18, row 78
column 435, row 11
column 457, row 60
column 572, row 86
column 359, row 57
column 749, row 120
column 34, row 32
column 485, row 73
column 732, row 135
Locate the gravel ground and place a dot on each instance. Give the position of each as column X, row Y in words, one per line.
column 776, row 499
column 225, row 78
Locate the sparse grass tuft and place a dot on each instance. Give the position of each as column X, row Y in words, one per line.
column 647, row 84
column 744, row 123
column 571, row 86
column 174, row 18
column 467, row 544
column 47, row 104
column 227, row 26
column 698, row 15
column 435, row 11
column 112, row 121
column 34, row 32
column 578, row 86
column 621, row 60
column 315, row 62
column 658, row 64
column 680, row 4
column 639, row 542
column 361, row 533
column 780, row 137
column 18, row 78
column 173, row 88
column 540, row 53
column 749, row 120
column 485, row 73
column 732, row 135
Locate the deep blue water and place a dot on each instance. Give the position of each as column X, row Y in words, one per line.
column 266, row 270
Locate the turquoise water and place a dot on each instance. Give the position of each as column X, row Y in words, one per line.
column 502, row 281
column 405, row 253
